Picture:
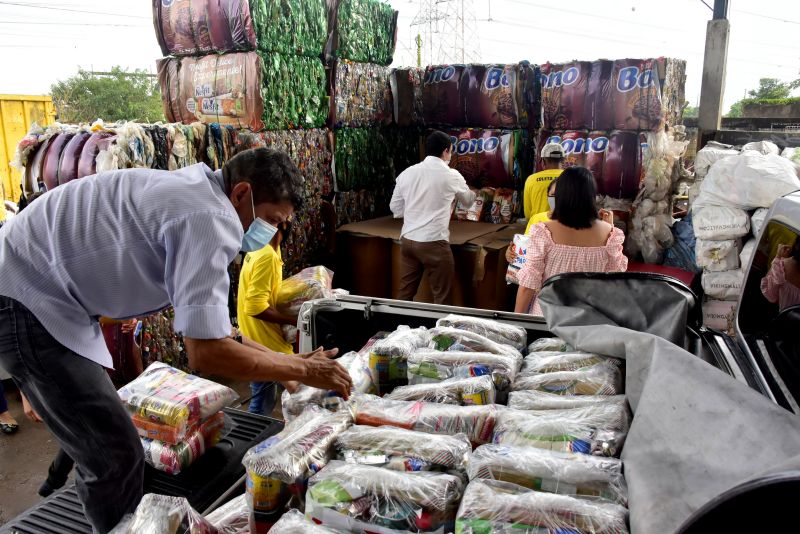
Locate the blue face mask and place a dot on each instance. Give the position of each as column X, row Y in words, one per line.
column 259, row 234
column 551, row 201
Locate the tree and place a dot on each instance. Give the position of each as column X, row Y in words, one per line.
column 770, row 88
column 690, row 111
column 736, row 110
column 113, row 96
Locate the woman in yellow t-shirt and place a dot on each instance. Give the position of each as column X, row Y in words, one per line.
column 536, row 219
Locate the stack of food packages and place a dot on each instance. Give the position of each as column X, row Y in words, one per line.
column 177, row 415
column 439, row 451
column 163, row 514
column 309, row 284
column 734, row 187
column 602, row 113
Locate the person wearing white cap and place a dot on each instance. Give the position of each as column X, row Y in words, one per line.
column 535, row 197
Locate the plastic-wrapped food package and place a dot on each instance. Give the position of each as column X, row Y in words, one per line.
column 454, row 339
column 291, row 26
column 491, row 507
column 600, row 379
column 427, row 367
column 496, row 331
column 541, row 400
column 551, row 362
column 403, row 450
column 487, row 158
column 757, row 221
column 162, row 514
column 598, row 430
column 294, row 522
column 719, row 222
column 167, row 396
column 406, row 85
column 549, row 344
column 564, row 473
column 718, row 255
column 278, row 468
column 520, row 245
column 388, row 357
column 362, row 498
column 309, row 284
column 366, row 30
column 475, row 212
column 471, row 391
column 232, row 517
column 356, row 364
column 173, row 459
column 723, row 285
column 477, row 422
column 191, row 27
column 362, row 96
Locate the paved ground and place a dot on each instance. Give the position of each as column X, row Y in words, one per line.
column 25, row 457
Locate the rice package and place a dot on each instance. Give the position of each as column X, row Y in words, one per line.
column 357, row 366
column 564, row 473
column 600, row 379
column 491, row 507
column 173, row 459
column 444, row 338
column 718, row 255
column 470, row 391
column 549, row 344
column 597, row 430
column 163, row 514
column 477, row 422
column 520, row 244
column 400, row 449
column 388, row 357
column 426, row 367
column 502, row 333
column 720, row 222
column 541, row 400
column 723, row 285
column 551, row 362
column 295, row 522
column 278, row 468
column 171, row 399
column 363, row 498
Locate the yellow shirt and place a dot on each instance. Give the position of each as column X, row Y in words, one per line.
column 535, row 197
column 536, row 219
column 259, row 284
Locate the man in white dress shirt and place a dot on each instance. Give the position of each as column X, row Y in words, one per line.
column 424, row 197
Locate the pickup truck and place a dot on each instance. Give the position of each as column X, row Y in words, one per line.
column 762, row 356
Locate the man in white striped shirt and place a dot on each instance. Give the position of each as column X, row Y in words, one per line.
column 123, row 244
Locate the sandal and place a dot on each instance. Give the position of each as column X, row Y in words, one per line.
column 7, row 428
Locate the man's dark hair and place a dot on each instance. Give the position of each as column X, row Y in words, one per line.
column 575, row 198
column 436, row 143
column 273, row 176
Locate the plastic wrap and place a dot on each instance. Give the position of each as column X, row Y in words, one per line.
column 426, row 367
column 232, row 517
column 471, row 391
column 362, row 96
column 599, row 430
column 357, row 365
column 366, row 30
column 719, row 223
column 309, row 284
column 487, row 157
column 172, row 459
column 496, row 331
column 359, row 498
column 520, row 246
column 601, row 379
column 166, row 396
column 477, row 422
column 723, row 285
column 718, row 255
column 403, row 450
column 551, row 471
column 549, row 344
column 491, row 507
column 710, row 154
column 278, row 468
column 551, row 362
column 757, row 221
column 291, row 26
column 294, row 522
column 454, row 339
column 541, row 400
column 162, row 514
column 388, row 357
column 746, row 254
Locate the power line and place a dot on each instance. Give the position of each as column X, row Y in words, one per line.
column 38, row 6
column 708, row 6
column 94, row 24
column 753, row 14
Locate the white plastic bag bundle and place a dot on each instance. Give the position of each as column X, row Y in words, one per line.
column 748, row 181
column 718, row 314
column 718, row 223
column 762, row 147
column 724, row 285
column 746, row 255
column 520, row 249
column 757, row 221
column 718, row 255
column 710, row 154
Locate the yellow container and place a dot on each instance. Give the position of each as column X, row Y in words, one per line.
column 17, row 114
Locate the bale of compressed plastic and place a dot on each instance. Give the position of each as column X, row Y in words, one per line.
column 290, row 26
column 365, row 31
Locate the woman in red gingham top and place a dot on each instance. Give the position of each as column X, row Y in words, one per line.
column 577, row 239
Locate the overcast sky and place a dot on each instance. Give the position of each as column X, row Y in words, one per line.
column 42, row 44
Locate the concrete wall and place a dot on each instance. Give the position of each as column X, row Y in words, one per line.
column 773, row 111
